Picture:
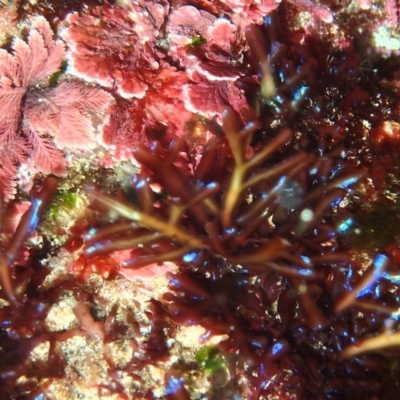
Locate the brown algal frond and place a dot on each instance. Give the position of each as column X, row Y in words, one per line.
column 25, row 228
column 225, row 203
column 248, row 210
column 323, row 98
column 25, row 304
column 382, row 341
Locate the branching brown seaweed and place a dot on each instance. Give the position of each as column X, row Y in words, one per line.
column 253, row 222
column 27, row 225
column 247, row 216
column 235, row 208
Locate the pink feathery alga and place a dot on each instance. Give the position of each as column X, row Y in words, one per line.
column 30, row 63
column 50, row 118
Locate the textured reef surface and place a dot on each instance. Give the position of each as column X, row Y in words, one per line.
column 199, row 199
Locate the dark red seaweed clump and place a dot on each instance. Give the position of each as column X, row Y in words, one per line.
column 254, row 220
column 260, row 219
column 254, row 233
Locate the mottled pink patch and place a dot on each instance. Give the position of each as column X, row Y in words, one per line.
column 148, row 272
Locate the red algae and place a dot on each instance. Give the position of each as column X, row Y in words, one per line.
column 218, row 283
column 267, row 138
